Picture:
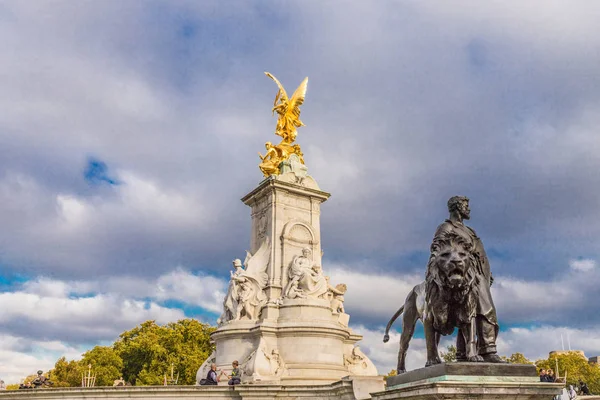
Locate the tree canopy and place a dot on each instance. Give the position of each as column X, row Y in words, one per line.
column 149, row 350
column 517, row 358
column 575, row 366
column 142, row 356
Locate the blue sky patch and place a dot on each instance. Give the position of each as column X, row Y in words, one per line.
column 191, row 310
column 96, row 173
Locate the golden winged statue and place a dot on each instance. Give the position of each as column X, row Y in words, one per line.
column 288, row 110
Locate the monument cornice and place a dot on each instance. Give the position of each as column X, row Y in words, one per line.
column 275, row 184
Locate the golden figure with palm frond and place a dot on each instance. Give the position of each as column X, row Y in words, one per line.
column 288, row 110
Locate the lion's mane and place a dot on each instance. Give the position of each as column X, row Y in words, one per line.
column 451, row 307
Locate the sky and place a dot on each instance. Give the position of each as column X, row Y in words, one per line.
column 129, row 132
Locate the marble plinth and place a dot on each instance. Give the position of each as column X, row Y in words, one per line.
column 469, row 381
column 310, row 339
column 345, row 389
column 300, row 334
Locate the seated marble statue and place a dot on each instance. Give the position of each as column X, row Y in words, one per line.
column 305, row 276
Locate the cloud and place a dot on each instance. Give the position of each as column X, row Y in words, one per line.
column 499, row 102
column 20, row 358
column 372, row 298
column 91, row 311
column 101, row 233
column 165, row 107
column 583, row 265
column 44, row 319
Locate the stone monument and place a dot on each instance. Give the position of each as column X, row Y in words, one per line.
column 282, row 318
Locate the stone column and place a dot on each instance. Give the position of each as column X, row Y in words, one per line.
column 285, row 209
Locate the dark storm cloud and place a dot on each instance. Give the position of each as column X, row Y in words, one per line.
column 407, row 105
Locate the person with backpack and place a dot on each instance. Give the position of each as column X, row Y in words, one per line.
column 211, row 377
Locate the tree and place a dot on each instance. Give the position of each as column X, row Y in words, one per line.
column 575, row 366
column 142, row 356
column 517, row 358
column 106, row 364
column 391, row 373
column 66, row 373
column 149, row 350
column 450, row 354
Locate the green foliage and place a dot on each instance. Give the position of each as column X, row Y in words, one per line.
column 66, row 373
column 450, row 354
column 142, row 356
column 149, row 350
column 517, row 358
column 13, row 386
column 106, row 364
column 391, row 373
column 575, row 366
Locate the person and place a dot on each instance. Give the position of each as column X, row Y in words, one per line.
column 211, row 377
column 550, row 376
column 234, row 378
column 543, row 375
column 486, row 321
column 584, row 388
column 2, row 385
column 572, row 394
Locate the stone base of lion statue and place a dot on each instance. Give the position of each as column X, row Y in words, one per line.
column 469, row 381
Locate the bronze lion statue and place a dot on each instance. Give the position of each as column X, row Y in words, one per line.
column 447, row 299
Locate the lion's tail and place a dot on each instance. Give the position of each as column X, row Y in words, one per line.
column 386, row 336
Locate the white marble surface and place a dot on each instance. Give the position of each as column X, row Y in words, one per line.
column 347, row 389
column 300, row 339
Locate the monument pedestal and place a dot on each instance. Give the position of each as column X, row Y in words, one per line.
column 283, row 321
column 470, row 381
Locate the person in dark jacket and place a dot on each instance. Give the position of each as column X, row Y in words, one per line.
column 211, row 377
column 584, row 388
column 543, row 375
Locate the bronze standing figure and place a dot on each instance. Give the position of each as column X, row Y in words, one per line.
column 455, row 293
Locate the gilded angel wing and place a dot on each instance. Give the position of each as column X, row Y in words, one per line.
column 257, row 264
column 281, row 94
column 296, row 101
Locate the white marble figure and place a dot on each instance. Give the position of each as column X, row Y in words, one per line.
column 278, row 367
column 355, row 358
column 294, row 292
column 263, row 364
column 245, row 296
column 336, row 296
column 358, row 363
column 305, row 277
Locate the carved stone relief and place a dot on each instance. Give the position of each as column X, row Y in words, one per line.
column 261, row 224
